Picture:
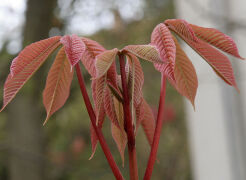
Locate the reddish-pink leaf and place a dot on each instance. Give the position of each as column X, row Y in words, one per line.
column 26, row 64
column 13, row 66
column 112, row 75
column 38, row 51
column 92, row 50
column 99, row 110
column 145, row 117
column 74, row 48
column 218, row 61
column 109, row 106
column 120, row 138
column 185, row 74
column 182, row 28
column 94, row 141
column 217, row 39
column 112, row 81
column 119, row 134
column 146, row 52
column 58, row 83
column 104, row 61
column 162, row 38
column 136, row 77
column 100, row 86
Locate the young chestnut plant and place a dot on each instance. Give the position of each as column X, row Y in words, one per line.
column 120, row 97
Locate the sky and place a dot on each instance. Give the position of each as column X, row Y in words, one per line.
column 86, row 17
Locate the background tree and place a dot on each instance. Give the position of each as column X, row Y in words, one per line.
column 25, row 133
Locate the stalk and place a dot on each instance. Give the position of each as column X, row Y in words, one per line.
column 98, row 131
column 128, row 124
column 158, row 128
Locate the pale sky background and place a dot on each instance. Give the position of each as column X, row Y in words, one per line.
column 87, row 17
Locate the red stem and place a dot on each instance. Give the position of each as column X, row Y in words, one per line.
column 158, row 128
column 128, row 124
column 99, row 133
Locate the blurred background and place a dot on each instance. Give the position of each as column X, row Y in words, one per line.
column 208, row 144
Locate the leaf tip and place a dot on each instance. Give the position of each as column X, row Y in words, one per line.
column 2, row 108
column 92, row 155
column 193, row 105
column 238, row 90
column 46, row 120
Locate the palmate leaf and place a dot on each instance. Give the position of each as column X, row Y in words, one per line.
column 74, row 48
column 146, row 52
column 58, row 83
column 104, row 61
column 218, row 61
column 26, row 64
column 217, row 39
column 146, row 118
column 161, row 37
column 185, row 74
column 92, row 50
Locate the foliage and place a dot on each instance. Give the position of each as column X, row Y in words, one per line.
column 120, row 97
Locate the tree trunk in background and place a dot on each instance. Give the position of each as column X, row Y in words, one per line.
column 25, row 130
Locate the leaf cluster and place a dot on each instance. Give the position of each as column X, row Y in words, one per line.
column 164, row 52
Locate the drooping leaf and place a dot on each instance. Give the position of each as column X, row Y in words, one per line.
column 101, row 85
column 94, row 141
column 92, row 50
column 136, row 78
column 104, row 61
column 119, row 134
column 109, row 107
column 58, row 83
column 218, row 61
column 145, row 117
column 146, row 52
column 185, row 74
column 26, row 64
column 161, row 37
column 217, row 39
column 74, row 48
column 112, row 82
column 99, row 110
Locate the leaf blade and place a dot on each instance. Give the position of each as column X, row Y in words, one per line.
column 92, row 50
column 118, row 133
column 146, row 118
column 104, row 61
column 161, row 37
column 146, row 52
column 74, row 48
column 218, row 61
column 185, row 74
column 58, row 84
column 26, row 64
column 217, row 39
column 137, row 75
